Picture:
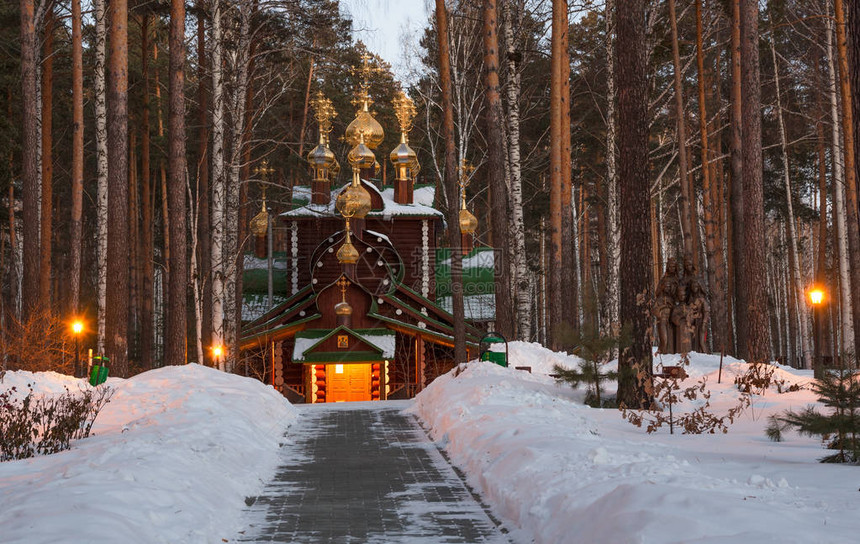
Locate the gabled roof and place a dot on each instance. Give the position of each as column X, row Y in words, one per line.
column 380, row 344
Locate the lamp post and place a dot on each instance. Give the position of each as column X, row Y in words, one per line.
column 816, row 296
column 77, row 328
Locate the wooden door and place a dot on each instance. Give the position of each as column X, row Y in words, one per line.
column 349, row 382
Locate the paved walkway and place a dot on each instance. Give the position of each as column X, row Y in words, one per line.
column 366, row 473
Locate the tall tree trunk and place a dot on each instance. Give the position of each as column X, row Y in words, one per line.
column 713, row 240
column 305, row 109
column 737, row 194
column 806, row 348
column 634, row 363
column 556, row 264
column 758, row 338
column 613, row 253
column 451, row 186
column 850, row 170
column 77, row 155
column 232, row 251
column 496, row 169
column 116, row 330
column 203, row 278
column 176, row 332
column 47, row 161
column 29, row 159
column 570, row 305
column 218, row 199
column 687, row 229
column 840, row 213
column 99, row 88
column 517, row 225
column 147, row 332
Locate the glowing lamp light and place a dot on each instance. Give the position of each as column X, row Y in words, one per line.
column 217, row 351
column 816, row 296
column 77, row 327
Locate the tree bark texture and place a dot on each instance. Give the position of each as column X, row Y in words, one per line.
column 99, row 86
column 176, row 331
column 29, row 160
column 496, row 171
column 839, row 209
column 850, row 167
column 116, row 302
column 203, row 160
column 556, row 265
column 686, row 200
column 737, row 194
column 147, row 326
column 517, row 227
column 613, row 255
column 755, row 278
column 451, row 186
column 47, row 161
column 634, row 383
column 77, row 156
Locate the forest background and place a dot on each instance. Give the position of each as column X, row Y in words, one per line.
column 133, row 137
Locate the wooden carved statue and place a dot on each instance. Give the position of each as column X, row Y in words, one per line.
column 663, row 305
column 700, row 314
column 681, row 309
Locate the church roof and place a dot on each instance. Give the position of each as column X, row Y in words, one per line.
column 422, row 206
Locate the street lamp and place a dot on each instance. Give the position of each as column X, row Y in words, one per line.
column 77, row 328
column 217, row 352
column 817, row 297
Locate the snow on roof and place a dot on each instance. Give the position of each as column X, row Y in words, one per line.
column 422, row 207
column 384, row 339
column 477, row 307
column 481, row 258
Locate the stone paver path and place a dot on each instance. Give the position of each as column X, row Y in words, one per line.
column 366, row 473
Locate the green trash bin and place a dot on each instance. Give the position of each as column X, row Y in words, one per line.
column 487, row 353
column 99, row 371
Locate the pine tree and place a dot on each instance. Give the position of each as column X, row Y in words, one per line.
column 840, row 392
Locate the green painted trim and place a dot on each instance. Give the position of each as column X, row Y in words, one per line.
column 338, row 357
column 267, row 332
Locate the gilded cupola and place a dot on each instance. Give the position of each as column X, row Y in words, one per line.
column 364, row 121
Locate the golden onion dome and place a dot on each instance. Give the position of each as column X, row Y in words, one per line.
column 361, row 156
column 260, row 223
column 403, row 154
column 468, row 222
column 321, row 156
column 347, row 254
column 343, row 308
column 354, row 201
column 364, row 123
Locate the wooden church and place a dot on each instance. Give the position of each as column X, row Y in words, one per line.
column 360, row 321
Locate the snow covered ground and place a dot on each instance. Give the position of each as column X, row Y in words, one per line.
column 558, row 471
column 171, row 459
column 178, row 449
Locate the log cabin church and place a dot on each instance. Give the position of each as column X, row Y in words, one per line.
column 360, row 320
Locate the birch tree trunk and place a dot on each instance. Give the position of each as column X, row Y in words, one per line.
column 232, row 255
column 839, row 211
column 802, row 316
column 218, row 199
column 101, row 166
column 613, row 254
column 77, row 155
column 520, row 258
column 176, row 333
